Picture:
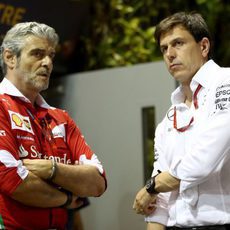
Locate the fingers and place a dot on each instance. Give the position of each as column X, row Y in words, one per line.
column 149, row 210
column 144, row 205
column 79, row 203
column 139, row 210
column 137, row 207
column 76, row 203
column 144, row 210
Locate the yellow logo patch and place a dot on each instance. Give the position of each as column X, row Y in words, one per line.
column 21, row 122
column 16, row 119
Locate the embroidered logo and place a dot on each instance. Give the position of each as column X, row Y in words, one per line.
column 170, row 114
column 2, row 133
column 16, row 119
column 222, row 100
column 22, row 151
column 21, row 122
column 59, row 131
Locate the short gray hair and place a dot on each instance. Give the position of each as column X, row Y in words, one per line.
column 14, row 38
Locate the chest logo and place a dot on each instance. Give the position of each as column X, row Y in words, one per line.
column 22, row 151
column 59, row 131
column 21, row 122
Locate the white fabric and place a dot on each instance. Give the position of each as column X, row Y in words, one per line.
column 9, row 161
column 93, row 161
column 7, row 87
column 199, row 157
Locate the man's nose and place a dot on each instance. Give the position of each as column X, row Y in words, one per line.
column 171, row 53
column 47, row 61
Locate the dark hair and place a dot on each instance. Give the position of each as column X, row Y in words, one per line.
column 193, row 22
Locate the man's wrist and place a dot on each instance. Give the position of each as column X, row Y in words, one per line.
column 68, row 200
column 53, row 170
column 150, row 186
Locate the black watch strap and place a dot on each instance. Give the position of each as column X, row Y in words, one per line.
column 150, row 186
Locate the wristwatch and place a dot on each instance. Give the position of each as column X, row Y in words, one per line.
column 150, row 186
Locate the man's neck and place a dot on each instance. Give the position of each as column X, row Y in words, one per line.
column 28, row 93
column 187, row 94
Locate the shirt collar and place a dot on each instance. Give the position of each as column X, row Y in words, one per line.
column 205, row 76
column 7, row 87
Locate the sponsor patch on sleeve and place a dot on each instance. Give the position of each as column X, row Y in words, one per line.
column 222, row 97
column 59, row 131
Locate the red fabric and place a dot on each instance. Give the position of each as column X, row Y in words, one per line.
column 183, row 129
column 20, row 138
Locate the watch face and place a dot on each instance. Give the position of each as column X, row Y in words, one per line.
column 150, row 185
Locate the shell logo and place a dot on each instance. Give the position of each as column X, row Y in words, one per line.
column 17, row 120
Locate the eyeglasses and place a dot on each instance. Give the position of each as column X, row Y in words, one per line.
column 195, row 102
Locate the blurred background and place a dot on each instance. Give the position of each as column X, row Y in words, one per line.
column 108, row 73
column 104, row 34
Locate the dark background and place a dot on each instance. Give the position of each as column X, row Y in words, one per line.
column 70, row 19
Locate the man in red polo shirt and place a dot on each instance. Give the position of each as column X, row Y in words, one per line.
column 45, row 164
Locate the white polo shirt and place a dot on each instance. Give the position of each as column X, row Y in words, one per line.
column 199, row 156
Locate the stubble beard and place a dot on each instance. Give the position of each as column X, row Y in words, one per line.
column 35, row 82
column 40, row 84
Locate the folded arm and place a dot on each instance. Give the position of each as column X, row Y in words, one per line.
column 82, row 180
column 35, row 192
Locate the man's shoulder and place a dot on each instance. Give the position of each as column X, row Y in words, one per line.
column 224, row 76
column 226, row 70
column 58, row 113
column 5, row 99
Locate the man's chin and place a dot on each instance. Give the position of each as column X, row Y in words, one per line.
column 42, row 87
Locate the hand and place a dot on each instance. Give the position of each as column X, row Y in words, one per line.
column 76, row 203
column 39, row 167
column 155, row 226
column 144, row 203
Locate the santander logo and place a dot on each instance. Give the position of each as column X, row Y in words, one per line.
column 34, row 153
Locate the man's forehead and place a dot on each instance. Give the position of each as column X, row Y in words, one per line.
column 173, row 34
column 33, row 43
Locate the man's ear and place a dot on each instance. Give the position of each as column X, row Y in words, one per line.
column 205, row 46
column 9, row 58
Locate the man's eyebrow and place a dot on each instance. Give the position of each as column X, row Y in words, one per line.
column 172, row 41
column 37, row 49
column 53, row 52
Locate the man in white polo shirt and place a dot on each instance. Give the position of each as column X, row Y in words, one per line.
column 190, row 186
